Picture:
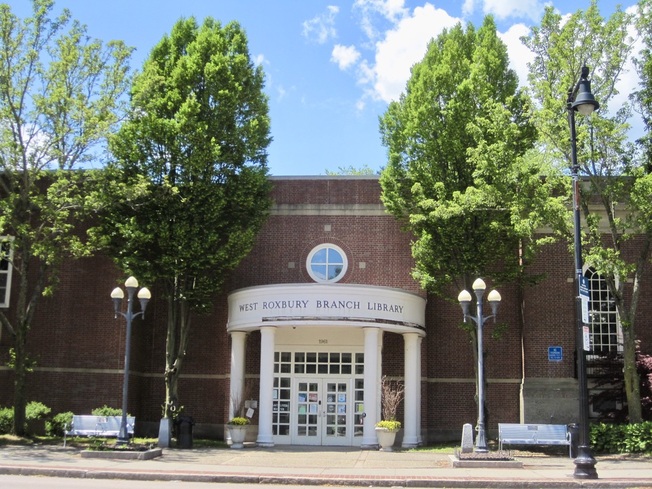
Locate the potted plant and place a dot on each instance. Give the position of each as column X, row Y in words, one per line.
column 388, row 426
column 238, row 430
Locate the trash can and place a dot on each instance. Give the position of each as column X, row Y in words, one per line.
column 574, row 431
column 184, row 431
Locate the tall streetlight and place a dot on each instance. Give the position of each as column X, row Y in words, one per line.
column 117, row 295
column 580, row 99
column 465, row 301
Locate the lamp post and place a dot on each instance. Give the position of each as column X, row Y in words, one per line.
column 465, row 301
column 117, row 295
column 580, row 99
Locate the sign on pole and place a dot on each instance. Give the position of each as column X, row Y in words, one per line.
column 584, row 296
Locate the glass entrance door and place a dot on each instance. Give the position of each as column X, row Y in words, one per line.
column 324, row 409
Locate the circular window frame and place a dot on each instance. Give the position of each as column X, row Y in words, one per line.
column 317, row 249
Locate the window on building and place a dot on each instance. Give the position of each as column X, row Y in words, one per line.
column 327, row 263
column 6, row 256
column 606, row 334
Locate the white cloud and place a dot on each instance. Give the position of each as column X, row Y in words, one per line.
column 468, row 7
column 321, row 28
column 371, row 10
column 502, row 9
column 519, row 54
column 402, row 47
column 345, row 56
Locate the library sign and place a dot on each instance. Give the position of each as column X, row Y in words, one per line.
column 317, row 304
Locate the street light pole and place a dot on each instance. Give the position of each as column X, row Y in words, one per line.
column 117, row 295
column 464, row 299
column 580, row 99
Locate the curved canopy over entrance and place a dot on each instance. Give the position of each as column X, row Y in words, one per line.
column 321, row 359
column 326, row 304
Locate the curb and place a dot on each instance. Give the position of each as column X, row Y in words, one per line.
column 335, row 480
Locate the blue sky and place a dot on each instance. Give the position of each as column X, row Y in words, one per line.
column 331, row 66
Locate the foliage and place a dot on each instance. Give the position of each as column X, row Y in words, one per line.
column 460, row 174
column 615, row 194
column 107, row 411
column 36, row 410
column 188, row 190
column 239, row 421
column 60, row 95
column 57, row 425
column 644, row 368
column 390, row 425
column 6, row 420
column 352, row 170
column 622, row 438
column 391, row 393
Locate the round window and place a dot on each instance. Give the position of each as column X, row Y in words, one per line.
column 326, row 263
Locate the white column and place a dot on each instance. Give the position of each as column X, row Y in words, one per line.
column 265, row 438
column 419, row 437
column 411, row 368
column 237, row 370
column 371, row 380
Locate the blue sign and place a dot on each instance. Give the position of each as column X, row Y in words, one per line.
column 555, row 354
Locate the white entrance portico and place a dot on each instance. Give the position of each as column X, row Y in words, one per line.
column 321, row 359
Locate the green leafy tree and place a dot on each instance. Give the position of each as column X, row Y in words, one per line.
column 60, row 95
column 189, row 189
column 462, row 174
column 615, row 196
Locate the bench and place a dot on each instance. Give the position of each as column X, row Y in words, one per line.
column 91, row 425
column 533, row 434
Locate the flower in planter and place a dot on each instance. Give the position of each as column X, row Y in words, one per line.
column 238, row 421
column 391, row 425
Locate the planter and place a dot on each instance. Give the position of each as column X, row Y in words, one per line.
column 386, row 438
column 238, row 435
column 165, row 433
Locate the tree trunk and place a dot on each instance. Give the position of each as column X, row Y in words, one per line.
column 632, row 380
column 20, row 370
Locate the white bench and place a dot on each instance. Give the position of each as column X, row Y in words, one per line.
column 91, row 425
column 533, row 434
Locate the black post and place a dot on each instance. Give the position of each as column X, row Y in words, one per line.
column 584, row 463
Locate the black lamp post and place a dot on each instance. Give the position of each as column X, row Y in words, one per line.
column 580, row 99
column 117, row 295
column 465, row 301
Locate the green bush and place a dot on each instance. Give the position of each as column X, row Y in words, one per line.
column 6, row 420
column 36, row 410
column 57, row 425
column 106, row 411
column 622, row 438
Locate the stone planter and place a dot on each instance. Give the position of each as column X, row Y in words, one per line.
column 386, row 438
column 238, row 435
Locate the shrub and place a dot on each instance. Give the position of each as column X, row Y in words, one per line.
column 107, row 411
column 36, row 410
column 622, row 438
column 57, row 425
column 6, row 420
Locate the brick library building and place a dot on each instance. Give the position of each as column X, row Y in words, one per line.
column 307, row 326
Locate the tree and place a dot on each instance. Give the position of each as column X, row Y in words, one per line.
column 59, row 97
column 460, row 170
column 615, row 197
column 462, row 173
column 189, row 189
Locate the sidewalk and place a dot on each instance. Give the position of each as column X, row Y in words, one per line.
column 322, row 466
